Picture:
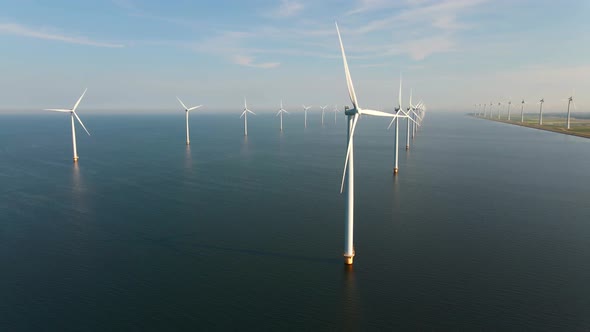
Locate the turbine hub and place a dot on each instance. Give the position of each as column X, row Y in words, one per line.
column 350, row 111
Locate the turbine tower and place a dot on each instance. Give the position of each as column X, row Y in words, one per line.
column 305, row 108
column 73, row 115
column 509, row 103
column 348, row 174
column 323, row 111
column 245, row 115
column 484, row 110
column 499, row 110
column 541, row 111
column 280, row 113
column 522, row 111
column 335, row 112
column 187, row 110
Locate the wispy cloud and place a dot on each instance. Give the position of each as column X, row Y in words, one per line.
column 48, row 34
column 248, row 61
column 287, row 8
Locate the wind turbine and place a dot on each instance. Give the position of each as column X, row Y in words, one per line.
column 186, row 110
column 399, row 109
column 280, row 112
column 305, row 108
column 484, row 110
column 499, row 110
column 570, row 101
column 491, row 114
column 323, row 111
column 348, row 174
column 245, row 115
column 509, row 103
column 335, row 112
column 522, row 111
column 72, row 115
column 410, row 109
column 541, row 111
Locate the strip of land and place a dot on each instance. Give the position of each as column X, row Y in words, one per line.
column 578, row 127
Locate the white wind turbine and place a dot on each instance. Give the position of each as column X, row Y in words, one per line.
column 280, row 113
column 399, row 109
column 541, row 111
column 323, row 111
column 348, row 174
column 570, row 101
column 186, row 110
column 305, row 108
column 245, row 115
column 499, row 109
column 72, row 115
column 335, row 110
column 522, row 111
column 484, row 110
column 509, row 103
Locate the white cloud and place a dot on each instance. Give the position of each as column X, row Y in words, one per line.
column 23, row 31
column 248, row 61
column 287, row 8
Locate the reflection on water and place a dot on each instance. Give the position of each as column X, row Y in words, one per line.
column 352, row 309
column 76, row 182
column 245, row 150
column 188, row 160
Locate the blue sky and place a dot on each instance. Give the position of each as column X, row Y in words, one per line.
column 136, row 56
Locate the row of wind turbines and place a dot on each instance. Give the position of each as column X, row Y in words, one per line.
column 480, row 110
column 414, row 115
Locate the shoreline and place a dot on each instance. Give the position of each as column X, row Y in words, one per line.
column 533, row 126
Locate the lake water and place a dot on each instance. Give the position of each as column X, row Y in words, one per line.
column 486, row 227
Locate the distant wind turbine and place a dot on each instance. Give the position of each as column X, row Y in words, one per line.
column 187, row 110
column 499, row 110
column 72, row 115
column 280, row 113
column 522, row 111
column 570, row 101
column 398, row 109
column 348, row 174
column 335, row 112
column 541, row 111
column 245, row 115
column 305, row 108
column 509, row 103
column 323, row 112
column 484, row 110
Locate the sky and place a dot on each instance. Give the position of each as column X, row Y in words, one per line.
column 137, row 56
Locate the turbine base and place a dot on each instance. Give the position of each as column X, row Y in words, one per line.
column 348, row 260
column 395, row 171
column 188, row 143
column 407, row 147
column 76, row 159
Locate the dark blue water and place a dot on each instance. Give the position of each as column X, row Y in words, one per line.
column 486, row 227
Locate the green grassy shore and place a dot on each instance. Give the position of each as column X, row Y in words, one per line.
column 578, row 127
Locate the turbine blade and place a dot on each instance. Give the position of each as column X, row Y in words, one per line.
column 77, row 117
column 279, row 112
column 243, row 113
column 251, row 112
column 391, row 123
column 79, row 100
column 348, row 149
column 57, row 110
column 376, row 113
column 347, row 72
column 399, row 97
column 194, row 108
column 181, row 103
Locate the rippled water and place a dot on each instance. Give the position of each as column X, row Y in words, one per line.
column 486, row 226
